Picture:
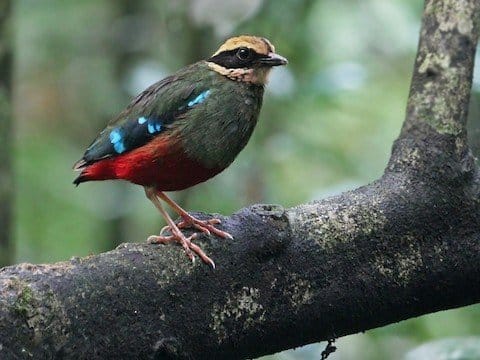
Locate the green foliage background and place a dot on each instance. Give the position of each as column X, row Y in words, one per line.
column 328, row 122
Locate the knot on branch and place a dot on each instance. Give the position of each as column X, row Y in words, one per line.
column 168, row 348
column 269, row 224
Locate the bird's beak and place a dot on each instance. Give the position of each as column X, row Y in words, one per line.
column 273, row 59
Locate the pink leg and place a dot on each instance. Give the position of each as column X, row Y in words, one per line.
column 177, row 235
column 206, row 226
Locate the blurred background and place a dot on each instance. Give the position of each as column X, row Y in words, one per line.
column 327, row 125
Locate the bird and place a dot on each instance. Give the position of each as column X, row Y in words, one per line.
column 185, row 129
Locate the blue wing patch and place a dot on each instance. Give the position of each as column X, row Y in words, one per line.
column 153, row 126
column 137, row 131
column 125, row 137
column 116, row 138
column 141, row 131
column 200, row 98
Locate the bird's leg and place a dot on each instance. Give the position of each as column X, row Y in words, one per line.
column 177, row 235
column 206, row 226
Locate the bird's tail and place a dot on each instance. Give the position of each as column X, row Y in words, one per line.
column 97, row 171
column 80, row 179
column 80, row 165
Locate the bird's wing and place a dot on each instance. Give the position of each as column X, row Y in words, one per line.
column 150, row 114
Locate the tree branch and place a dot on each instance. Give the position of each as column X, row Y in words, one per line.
column 405, row 245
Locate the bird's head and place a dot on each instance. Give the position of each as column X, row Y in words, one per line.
column 246, row 58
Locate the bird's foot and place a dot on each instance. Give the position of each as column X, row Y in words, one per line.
column 205, row 226
column 186, row 243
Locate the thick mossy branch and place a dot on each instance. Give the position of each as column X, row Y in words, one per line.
column 360, row 260
column 442, row 79
column 434, row 131
column 405, row 245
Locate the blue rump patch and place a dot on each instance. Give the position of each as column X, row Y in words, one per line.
column 116, row 138
column 199, row 99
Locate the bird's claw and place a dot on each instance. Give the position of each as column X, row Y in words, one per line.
column 205, row 226
column 176, row 237
column 163, row 229
column 186, row 243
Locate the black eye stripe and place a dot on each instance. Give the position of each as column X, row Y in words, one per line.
column 229, row 59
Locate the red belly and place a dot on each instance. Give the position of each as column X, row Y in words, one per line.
column 160, row 163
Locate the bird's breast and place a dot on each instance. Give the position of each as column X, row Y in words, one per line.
column 214, row 134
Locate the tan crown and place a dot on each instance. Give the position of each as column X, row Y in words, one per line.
column 259, row 44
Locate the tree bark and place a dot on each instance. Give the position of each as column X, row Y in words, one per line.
column 406, row 245
column 6, row 173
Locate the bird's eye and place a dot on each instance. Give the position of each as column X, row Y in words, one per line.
column 243, row 53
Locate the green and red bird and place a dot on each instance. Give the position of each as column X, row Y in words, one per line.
column 184, row 130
